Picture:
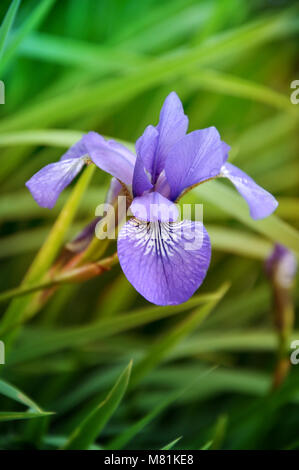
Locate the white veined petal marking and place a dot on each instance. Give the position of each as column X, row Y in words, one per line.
column 162, row 238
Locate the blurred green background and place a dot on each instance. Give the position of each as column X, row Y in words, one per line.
column 73, row 66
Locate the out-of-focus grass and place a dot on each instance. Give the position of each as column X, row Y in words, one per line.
column 73, row 66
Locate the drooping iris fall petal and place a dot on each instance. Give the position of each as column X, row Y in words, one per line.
column 46, row 185
column 165, row 262
column 261, row 203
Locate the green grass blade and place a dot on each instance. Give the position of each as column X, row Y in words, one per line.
column 238, row 242
column 32, row 22
column 172, row 444
column 219, row 432
column 89, row 429
column 52, row 137
column 17, row 415
column 21, row 206
column 230, row 202
column 12, row 392
column 77, row 53
column 206, row 446
column 7, row 24
column 218, row 82
column 15, row 394
column 29, row 240
column 118, row 90
column 16, row 311
column 59, row 441
column 236, row 341
column 124, row 438
column 46, row 342
column 171, row 339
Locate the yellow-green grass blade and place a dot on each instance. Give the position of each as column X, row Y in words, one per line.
column 19, row 415
column 172, row 444
column 21, row 205
column 16, row 313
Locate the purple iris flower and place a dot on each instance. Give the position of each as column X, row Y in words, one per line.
column 153, row 246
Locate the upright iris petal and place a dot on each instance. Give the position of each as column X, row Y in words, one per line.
column 261, row 203
column 153, row 146
column 196, row 157
column 146, row 149
column 173, row 125
column 165, row 262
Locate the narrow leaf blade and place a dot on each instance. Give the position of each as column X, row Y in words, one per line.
column 86, row 433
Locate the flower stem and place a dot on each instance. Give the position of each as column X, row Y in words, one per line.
column 283, row 320
column 79, row 274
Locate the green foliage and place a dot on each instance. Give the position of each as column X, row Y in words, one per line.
column 7, row 24
column 203, row 369
column 34, row 411
column 88, row 430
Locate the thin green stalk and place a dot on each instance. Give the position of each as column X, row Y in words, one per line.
column 75, row 275
column 17, row 312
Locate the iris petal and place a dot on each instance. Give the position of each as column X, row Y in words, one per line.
column 261, row 203
column 165, row 262
column 110, row 156
column 173, row 125
column 75, row 151
column 196, row 157
column 153, row 146
column 154, row 207
column 145, row 149
column 46, row 185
